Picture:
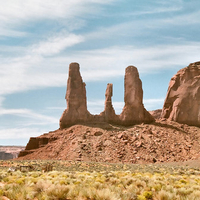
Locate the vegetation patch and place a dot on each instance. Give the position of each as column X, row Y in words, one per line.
column 71, row 180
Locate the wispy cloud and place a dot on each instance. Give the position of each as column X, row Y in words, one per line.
column 20, row 133
column 31, row 72
column 6, row 32
column 56, row 44
column 26, row 113
column 18, row 12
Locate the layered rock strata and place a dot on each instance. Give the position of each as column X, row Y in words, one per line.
column 182, row 103
column 36, row 143
column 77, row 113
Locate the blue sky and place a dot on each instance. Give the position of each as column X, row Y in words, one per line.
column 39, row 39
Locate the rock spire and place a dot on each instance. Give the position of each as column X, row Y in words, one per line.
column 77, row 113
column 133, row 111
column 109, row 112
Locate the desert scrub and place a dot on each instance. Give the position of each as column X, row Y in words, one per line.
column 100, row 181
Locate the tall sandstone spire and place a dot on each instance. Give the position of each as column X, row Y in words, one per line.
column 77, row 113
column 134, row 111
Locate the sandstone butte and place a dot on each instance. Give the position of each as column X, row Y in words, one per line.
column 107, row 137
column 76, row 112
column 182, row 103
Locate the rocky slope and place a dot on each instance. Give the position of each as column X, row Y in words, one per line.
column 161, row 141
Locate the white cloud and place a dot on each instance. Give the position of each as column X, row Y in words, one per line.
column 26, row 113
column 33, row 71
column 28, row 72
column 16, row 12
column 160, row 7
column 10, row 33
column 112, row 61
column 20, row 133
column 56, row 44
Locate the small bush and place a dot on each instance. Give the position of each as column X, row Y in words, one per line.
column 147, row 194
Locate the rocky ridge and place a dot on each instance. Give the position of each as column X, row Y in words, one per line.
column 161, row 141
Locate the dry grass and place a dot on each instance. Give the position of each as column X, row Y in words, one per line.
column 99, row 181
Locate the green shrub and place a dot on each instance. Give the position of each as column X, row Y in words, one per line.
column 147, row 194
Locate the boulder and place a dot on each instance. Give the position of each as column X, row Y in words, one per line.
column 182, row 103
column 133, row 111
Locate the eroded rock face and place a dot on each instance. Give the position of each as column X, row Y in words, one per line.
column 156, row 113
column 182, row 103
column 134, row 111
column 36, row 143
column 76, row 111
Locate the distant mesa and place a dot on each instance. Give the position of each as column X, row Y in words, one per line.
column 10, row 152
column 77, row 113
column 182, row 103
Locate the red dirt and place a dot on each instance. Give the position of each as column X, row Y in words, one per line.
column 162, row 141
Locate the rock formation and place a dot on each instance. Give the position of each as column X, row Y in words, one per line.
column 36, row 143
column 182, row 103
column 156, row 113
column 109, row 112
column 134, row 111
column 164, row 141
column 77, row 113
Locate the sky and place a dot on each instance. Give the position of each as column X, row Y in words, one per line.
column 39, row 39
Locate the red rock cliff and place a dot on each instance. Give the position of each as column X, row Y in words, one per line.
column 182, row 103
